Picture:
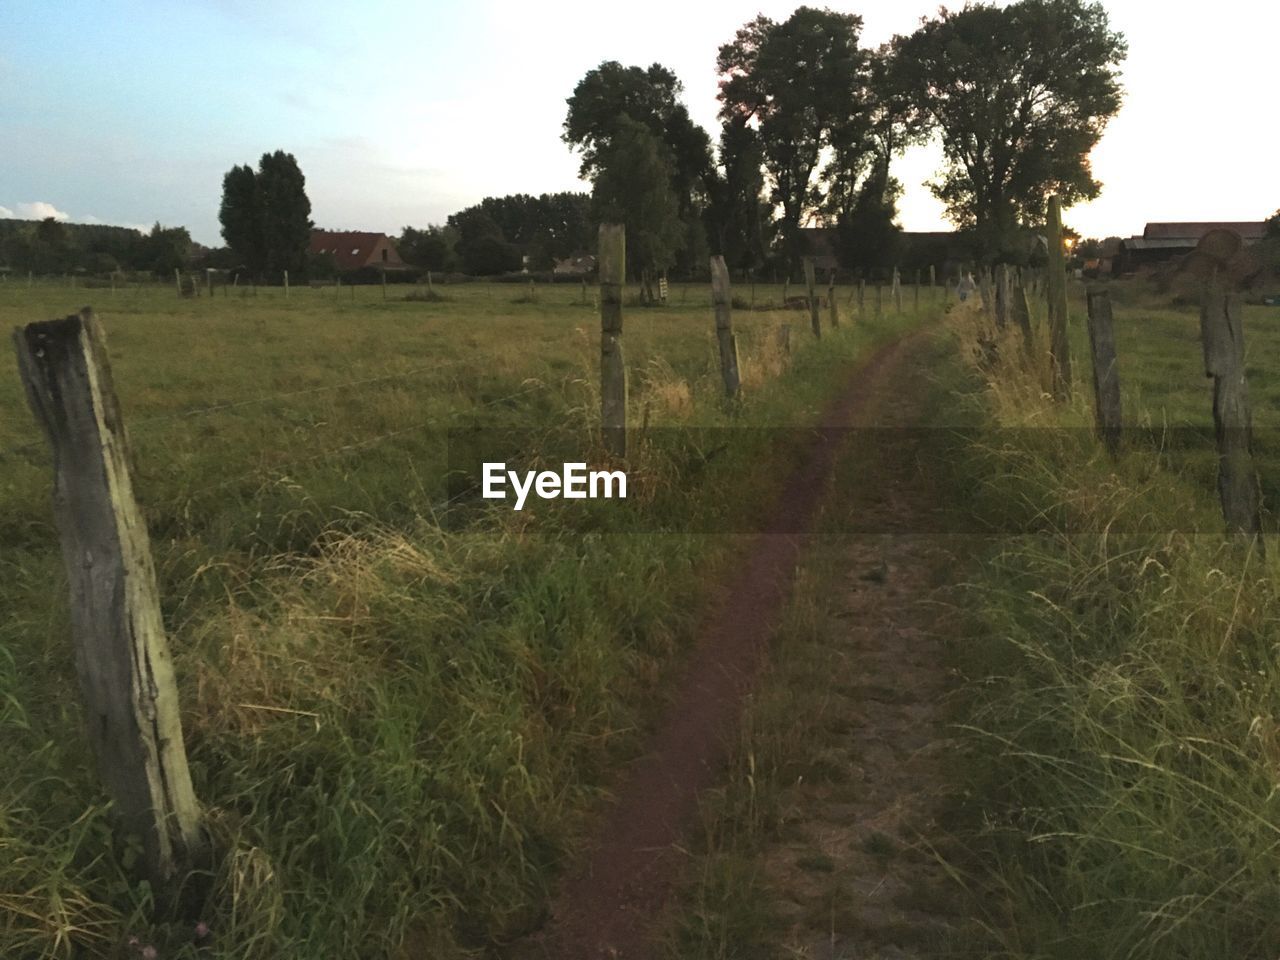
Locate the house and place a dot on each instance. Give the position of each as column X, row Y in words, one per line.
column 580, row 266
column 1161, row 242
column 355, row 249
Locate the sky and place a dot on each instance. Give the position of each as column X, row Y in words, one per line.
column 401, row 113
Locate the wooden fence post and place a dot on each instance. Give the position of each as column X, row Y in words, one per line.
column 1002, row 295
column 862, row 293
column 1056, row 284
column 1106, row 373
column 879, row 299
column 784, row 338
column 915, row 292
column 1021, row 312
column 810, row 284
column 933, row 283
column 833, row 308
column 786, row 290
column 286, row 284
column 897, row 289
column 612, row 258
column 1222, row 336
column 121, row 654
column 721, row 297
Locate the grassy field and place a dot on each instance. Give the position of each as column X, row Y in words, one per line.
column 1125, row 693
column 396, row 730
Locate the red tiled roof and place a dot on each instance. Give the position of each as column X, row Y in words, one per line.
column 1194, row 231
column 351, row 249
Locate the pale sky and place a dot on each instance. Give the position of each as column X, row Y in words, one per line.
column 402, row 113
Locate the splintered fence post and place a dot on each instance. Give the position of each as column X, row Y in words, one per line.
column 613, row 370
column 833, row 308
column 1056, row 284
column 1106, row 373
column 811, row 284
column 121, row 654
column 1222, row 335
column 720, row 296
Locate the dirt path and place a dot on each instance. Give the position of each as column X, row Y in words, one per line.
column 608, row 906
column 854, row 871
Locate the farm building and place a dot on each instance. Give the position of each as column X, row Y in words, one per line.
column 580, row 266
column 1165, row 241
column 354, row 249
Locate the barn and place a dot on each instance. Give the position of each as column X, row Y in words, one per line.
column 1165, row 241
column 354, row 249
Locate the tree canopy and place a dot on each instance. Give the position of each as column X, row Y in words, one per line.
column 266, row 215
column 633, row 187
column 804, row 85
column 1020, row 95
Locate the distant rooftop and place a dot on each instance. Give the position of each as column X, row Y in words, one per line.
column 1251, row 230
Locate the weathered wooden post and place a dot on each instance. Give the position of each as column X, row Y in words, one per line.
column 1056, row 283
column 915, row 291
column 810, row 283
column 786, row 290
column 1106, row 373
column 784, row 338
column 177, row 280
column 862, row 293
column 121, row 654
column 1002, row 294
column 897, row 290
column 879, row 299
column 721, row 297
column 613, row 370
column 431, row 293
column 1021, row 312
column 384, row 284
column 286, row 284
column 833, row 308
column 1222, row 336
column 584, row 290
column 933, row 283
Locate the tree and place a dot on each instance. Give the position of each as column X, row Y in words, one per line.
column 738, row 216
column 241, row 217
column 266, row 216
column 431, row 249
column 166, row 249
column 633, row 187
column 1020, row 96
column 650, row 97
column 286, row 214
column 804, row 84
column 867, row 237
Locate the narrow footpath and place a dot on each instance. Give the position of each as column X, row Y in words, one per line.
column 887, row 665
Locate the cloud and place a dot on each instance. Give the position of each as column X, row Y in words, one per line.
column 6, row 214
column 39, row 210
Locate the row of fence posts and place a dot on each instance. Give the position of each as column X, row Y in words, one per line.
column 1004, row 296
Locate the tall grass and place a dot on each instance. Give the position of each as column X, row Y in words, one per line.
column 1125, row 691
column 397, row 729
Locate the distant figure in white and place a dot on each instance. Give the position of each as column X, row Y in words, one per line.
column 965, row 287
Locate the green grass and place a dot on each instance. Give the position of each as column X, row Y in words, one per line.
column 396, row 729
column 1125, row 690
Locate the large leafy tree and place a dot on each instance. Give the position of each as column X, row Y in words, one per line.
column 633, row 187
column 241, row 217
column 650, row 97
column 739, row 216
column 803, row 84
column 266, row 215
column 1020, row 95
column 286, row 213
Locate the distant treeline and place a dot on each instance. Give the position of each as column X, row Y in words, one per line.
column 51, row 246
